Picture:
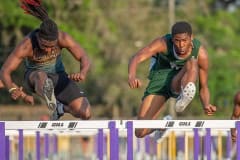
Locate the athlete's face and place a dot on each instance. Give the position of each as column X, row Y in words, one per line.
column 182, row 43
column 46, row 45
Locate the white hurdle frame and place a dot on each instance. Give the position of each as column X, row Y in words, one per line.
column 114, row 126
column 43, row 126
column 184, row 125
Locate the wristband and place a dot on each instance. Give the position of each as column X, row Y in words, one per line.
column 11, row 89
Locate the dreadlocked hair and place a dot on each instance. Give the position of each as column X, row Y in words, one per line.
column 35, row 8
column 48, row 29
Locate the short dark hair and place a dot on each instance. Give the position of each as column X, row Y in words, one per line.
column 48, row 30
column 181, row 27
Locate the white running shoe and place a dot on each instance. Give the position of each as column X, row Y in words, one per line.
column 186, row 96
column 159, row 133
column 167, row 117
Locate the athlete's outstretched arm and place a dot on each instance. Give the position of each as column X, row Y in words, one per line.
column 158, row 45
column 12, row 63
column 66, row 41
column 203, row 80
column 16, row 95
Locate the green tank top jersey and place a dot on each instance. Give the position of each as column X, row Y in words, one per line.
column 166, row 66
column 169, row 60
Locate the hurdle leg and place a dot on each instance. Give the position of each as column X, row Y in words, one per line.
column 196, row 143
column 55, row 146
column 7, row 149
column 100, row 144
column 207, row 144
column 228, row 146
column 38, row 146
column 20, row 145
column 238, row 139
column 2, row 140
column 129, row 127
column 46, row 146
column 114, row 155
column 147, row 147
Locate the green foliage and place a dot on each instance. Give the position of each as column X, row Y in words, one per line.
column 111, row 31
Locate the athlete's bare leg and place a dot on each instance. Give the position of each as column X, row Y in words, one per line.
column 37, row 79
column 149, row 110
column 184, row 84
column 44, row 87
column 79, row 108
column 189, row 73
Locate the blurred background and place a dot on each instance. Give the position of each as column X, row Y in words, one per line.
column 111, row 31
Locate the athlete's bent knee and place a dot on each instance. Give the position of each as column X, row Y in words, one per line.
column 87, row 115
column 139, row 133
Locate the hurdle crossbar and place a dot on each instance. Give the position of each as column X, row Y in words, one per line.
column 41, row 126
column 59, row 125
column 183, row 124
column 114, row 126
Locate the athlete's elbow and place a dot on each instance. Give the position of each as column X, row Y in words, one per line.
column 2, row 73
column 89, row 64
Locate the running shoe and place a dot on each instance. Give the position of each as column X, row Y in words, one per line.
column 186, row 96
column 159, row 133
column 48, row 93
column 58, row 112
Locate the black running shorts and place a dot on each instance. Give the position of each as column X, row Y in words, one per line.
column 65, row 89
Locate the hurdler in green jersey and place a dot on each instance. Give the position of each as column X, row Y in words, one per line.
column 165, row 66
column 178, row 60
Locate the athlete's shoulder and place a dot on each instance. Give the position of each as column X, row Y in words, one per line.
column 64, row 38
column 196, row 42
column 203, row 57
column 24, row 48
column 63, row 35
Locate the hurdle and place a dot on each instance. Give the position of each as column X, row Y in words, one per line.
column 57, row 126
column 185, row 125
column 114, row 126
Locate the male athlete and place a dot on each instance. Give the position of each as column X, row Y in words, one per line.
column 180, row 60
column 45, row 73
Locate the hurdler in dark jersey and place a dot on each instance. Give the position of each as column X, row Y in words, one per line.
column 45, row 74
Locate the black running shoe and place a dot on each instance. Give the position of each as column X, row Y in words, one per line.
column 58, row 112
